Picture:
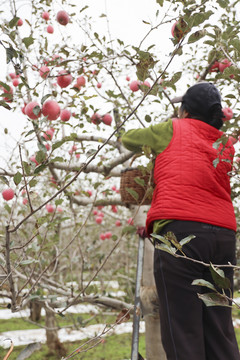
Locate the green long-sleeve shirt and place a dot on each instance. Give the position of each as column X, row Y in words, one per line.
column 157, row 137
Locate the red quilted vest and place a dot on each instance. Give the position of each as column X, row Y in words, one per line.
column 188, row 186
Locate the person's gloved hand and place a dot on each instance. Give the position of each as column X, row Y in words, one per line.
column 141, row 231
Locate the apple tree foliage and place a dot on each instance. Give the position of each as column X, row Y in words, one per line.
column 66, row 173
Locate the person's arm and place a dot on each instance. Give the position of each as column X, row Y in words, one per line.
column 157, row 137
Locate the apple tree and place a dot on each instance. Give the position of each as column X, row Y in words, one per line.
column 63, row 221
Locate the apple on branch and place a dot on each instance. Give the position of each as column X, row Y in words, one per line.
column 62, row 17
column 32, row 110
column 45, row 15
column 228, row 113
column 107, row 119
column 64, row 79
column 51, row 109
column 8, row 194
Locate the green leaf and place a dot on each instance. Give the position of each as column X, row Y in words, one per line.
column 187, row 239
column 36, row 110
column 196, row 36
column 11, row 53
column 129, row 229
column 163, row 239
column 7, row 207
column 45, row 97
column 219, row 278
column 28, row 41
column 33, row 183
column 169, row 249
column 40, row 156
column 27, row 168
column 139, row 181
column 216, row 162
column 160, row 2
column 176, row 77
column 202, row 282
column 58, row 202
column 12, row 23
column 57, row 159
column 4, row 180
column 223, row 3
column 39, row 168
column 5, row 105
column 29, row 261
column 236, row 44
column 57, row 144
column 133, row 193
column 17, row 178
column 213, row 299
column 148, row 118
column 198, row 18
column 5, row 86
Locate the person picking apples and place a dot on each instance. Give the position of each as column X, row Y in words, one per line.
column 192, row 197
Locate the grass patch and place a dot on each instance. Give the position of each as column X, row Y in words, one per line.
column 78, row 320
column 114, row 347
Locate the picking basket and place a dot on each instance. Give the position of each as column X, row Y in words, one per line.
column 136, row 186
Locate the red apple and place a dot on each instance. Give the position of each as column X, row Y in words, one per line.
column 99, row 85
column 32, row 110
column 64, row 79
column 45, row 15
column 108, row 235
column 15, row 82
column 8, row 194
column 44, row 71
column 100, row 207
column 81, row 81
column 96, row 118
column 98, row 219
column 130, row 221
column 114, row 189
column 13, row 76
column 9, row 97
column 101, row 214
column 20, row 22
column 89, row 192
column 134, row 85
column 62, row 17
column 228, row 113
column 95, row 212
column 223, row 64
column 102, row 236
column 107, row 119
column 50, row 29
column 50, row 208
column 146, row 83
column 47, row 146
column 214, row 67
column 25, row 201
column 233, row 140
column 51, row 109
column 128, row 78
column 114, row 209
column 65, row 115
column 33, row 159
column 118, row 223
column 48, row 134
column 77, row 156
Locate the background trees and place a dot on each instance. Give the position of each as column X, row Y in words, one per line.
column 79, row 89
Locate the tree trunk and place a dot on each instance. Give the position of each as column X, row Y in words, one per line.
column 149, row 298
column 35, row 310
column 53, row 343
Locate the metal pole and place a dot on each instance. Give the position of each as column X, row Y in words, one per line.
column 137, row 312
